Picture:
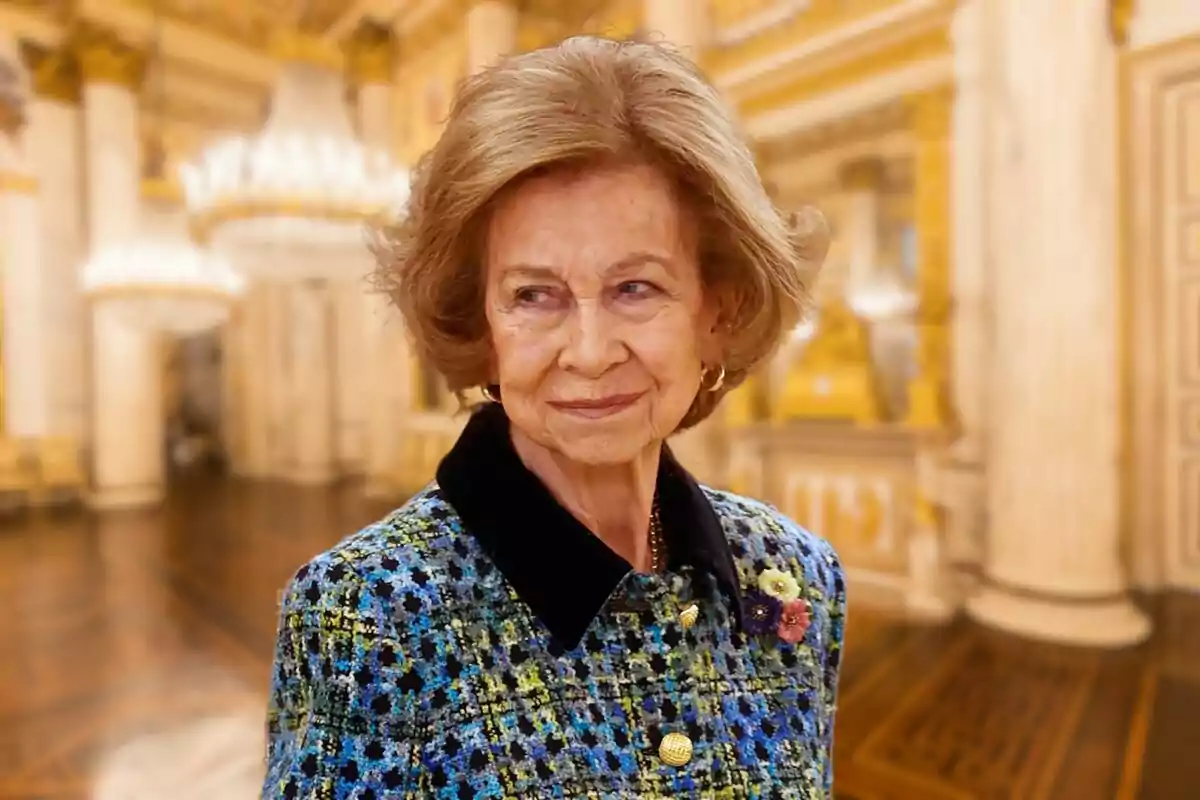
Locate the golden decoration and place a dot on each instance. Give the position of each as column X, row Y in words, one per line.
column 162, row 190
column 104, row 58
column 834, row 377
column 1120, row 15
column 17, row 183
column 688, row 617
column 862, row 174
column 370, row 54
column 675, row 750
column 294, row 47
column 814, row 19
column 12, row 114
column 928, row 392
column 54, row 73
column 922, row 46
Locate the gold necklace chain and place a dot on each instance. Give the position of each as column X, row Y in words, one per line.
column 658, row 542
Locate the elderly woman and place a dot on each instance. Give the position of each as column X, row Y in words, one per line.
column 565, row 612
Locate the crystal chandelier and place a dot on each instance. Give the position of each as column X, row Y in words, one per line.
column 295, row 200
column 163, row 286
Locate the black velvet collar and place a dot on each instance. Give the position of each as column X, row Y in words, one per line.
column 561, row 570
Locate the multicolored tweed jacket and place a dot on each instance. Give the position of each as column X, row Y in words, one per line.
column 480, row 642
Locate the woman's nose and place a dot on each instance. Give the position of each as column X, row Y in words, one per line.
column 593, row 343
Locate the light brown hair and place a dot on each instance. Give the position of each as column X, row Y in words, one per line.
column 584, row 101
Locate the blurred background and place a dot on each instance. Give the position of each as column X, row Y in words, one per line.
column 993, row 410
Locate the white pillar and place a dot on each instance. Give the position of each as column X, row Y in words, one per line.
column 491, row 32
column 25, row 399
column 277, row 382
column 128, row 461
column 1053, row 566
column 350, row 368
column 252, row 381
column 1157, row 22
column 56, row 148
column 386, row 378
column 311, row 407
column 23, row 391
column 969, row 338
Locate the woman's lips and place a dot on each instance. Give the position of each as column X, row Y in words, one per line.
column 598, row 407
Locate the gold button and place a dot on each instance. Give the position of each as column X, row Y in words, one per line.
column 675, row 750
column 689, row 615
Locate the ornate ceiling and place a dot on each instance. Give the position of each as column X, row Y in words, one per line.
column 210, row 67
column 251, row 22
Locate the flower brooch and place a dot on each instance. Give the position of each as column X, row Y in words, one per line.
column 775, row 606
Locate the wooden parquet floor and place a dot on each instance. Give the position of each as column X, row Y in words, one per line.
column 135, row 647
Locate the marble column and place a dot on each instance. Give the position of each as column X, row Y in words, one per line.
column 56, row 148
column 963, row 475
column 385, row 367
column 23, row 390
column 311, row 406
column 350, row 371
column 491, row 32
column 279, row 385
column 1155, row 22
column 1053, row 567
column 128, row 459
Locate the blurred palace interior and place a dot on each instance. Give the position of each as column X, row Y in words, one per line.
column 993, row 413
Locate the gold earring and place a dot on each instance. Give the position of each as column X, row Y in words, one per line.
column 492, row 392
column 720, row 379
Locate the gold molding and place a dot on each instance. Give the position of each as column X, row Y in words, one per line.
column 1120, row 16
column 827, row 31
column 370, row 54
column 926, row 45
column 296, row 47
column 54, row 72
column 162, row 190
column 864, row 174
column 106, row 58
column 928, row 392
column 18, row 183
column 12, row 116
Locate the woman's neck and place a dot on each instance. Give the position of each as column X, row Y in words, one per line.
column 613, row 501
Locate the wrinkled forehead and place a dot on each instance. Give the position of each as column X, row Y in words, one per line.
column 599, row 218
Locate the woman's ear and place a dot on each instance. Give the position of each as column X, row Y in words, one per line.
column 715, row 330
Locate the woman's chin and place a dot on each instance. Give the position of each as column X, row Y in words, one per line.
column 603, row 447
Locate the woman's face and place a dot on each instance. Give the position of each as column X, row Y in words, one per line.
column 598, row 317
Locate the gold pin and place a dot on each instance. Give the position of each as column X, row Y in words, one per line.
column 675, row 750
column 689, row 615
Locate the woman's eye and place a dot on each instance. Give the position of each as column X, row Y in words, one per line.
column 635, row 289
column 533, row 296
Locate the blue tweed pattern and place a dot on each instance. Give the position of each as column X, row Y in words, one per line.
column 406, row 667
